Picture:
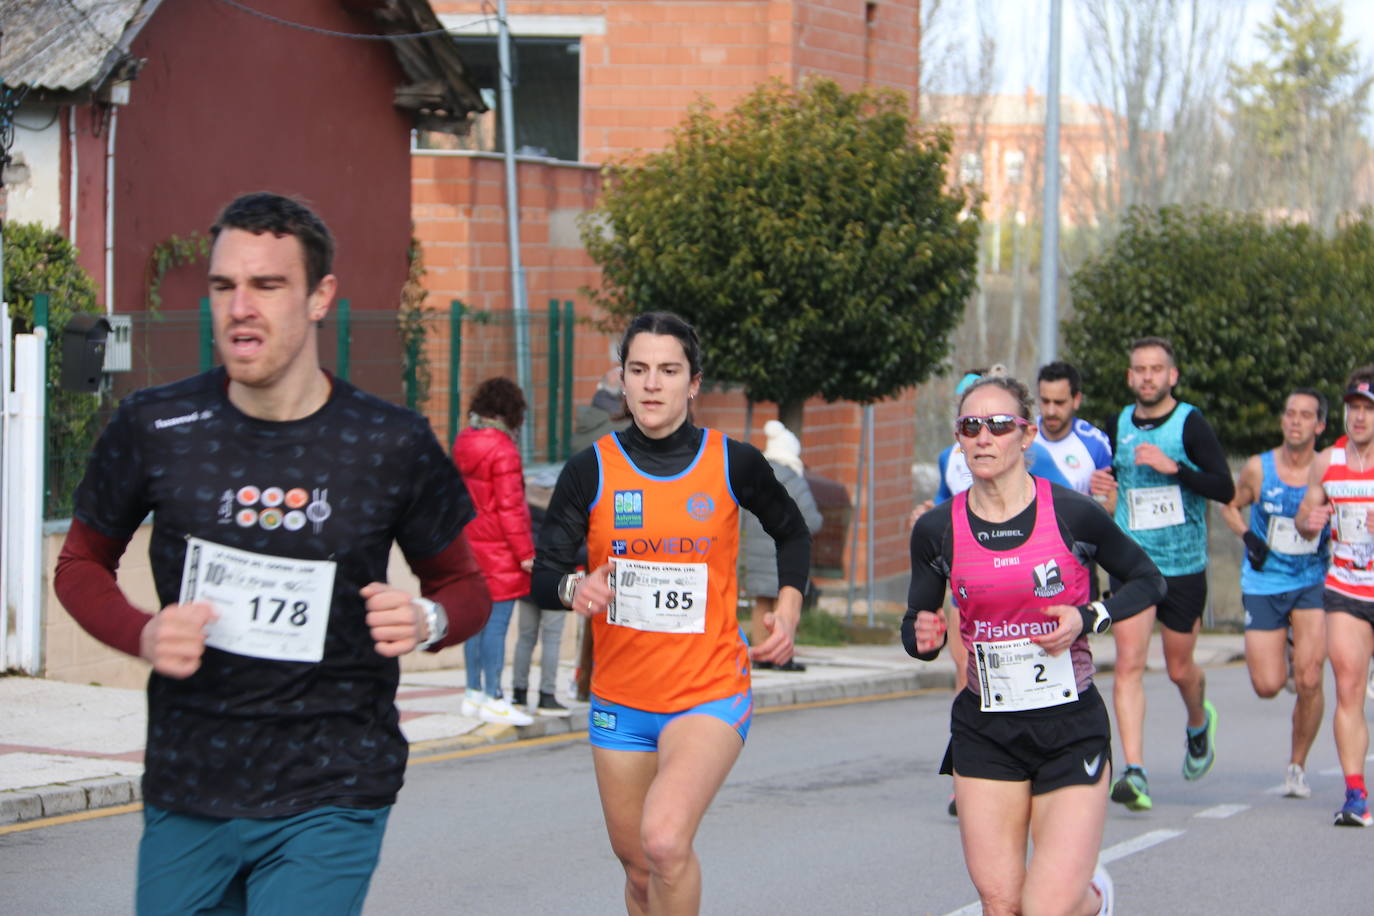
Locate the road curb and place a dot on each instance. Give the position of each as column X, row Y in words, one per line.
column 21, row 805
column 17, row 806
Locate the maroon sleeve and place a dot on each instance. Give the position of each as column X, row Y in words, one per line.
column 85, row 584
column 452, row 578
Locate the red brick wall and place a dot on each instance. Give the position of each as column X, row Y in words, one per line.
column 655, row 59
column 658, row 56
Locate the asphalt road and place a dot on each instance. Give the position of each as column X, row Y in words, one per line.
column 831, row 810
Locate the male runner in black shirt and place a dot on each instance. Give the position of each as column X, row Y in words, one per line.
column 274, row 750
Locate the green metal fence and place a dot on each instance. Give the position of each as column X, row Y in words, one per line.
column 430, row 364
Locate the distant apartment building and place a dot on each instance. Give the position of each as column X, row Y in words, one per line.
column 999, row 145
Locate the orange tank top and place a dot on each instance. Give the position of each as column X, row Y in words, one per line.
column 1351, row 493
column 682, row 535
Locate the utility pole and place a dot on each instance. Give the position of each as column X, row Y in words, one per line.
column 1049, row 238
column 519, row 305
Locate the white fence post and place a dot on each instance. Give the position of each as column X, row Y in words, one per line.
column 24, row 504
column 6, row 344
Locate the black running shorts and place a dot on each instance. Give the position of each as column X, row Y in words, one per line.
column 1183, row 604
column 1344, row 604
column 1069, row 745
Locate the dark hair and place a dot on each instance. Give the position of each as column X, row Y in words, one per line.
column 1019, row 392
column 1322, row 406
column 264, row 211
column 499, row 398
column 1060, row 371
column 1362, row 374
column 1142, row 342
column 665, row 323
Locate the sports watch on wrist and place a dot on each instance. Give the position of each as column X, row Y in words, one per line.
column 567, row 585
column 1096, row 620
column 436, row 621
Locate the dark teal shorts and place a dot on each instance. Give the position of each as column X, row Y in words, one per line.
column 317, row 862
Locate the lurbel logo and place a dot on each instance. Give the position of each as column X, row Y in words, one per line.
column 640, row 547
column 1047, row 580
column 629, row 508
column 700, row 506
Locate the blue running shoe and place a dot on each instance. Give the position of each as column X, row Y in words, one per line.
column 1355, row 811
column 1200, row 751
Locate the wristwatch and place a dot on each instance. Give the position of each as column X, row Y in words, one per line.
column 1096, row 620
column 567, row 585
column 436, row 621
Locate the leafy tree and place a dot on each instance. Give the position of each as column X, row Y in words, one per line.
column 39, row 260
column 808, row 234
column 1298, row 113
column 1156, row 68
column 1253, row 310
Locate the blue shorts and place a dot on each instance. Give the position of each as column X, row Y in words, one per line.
column 624, row 728
column 1270, row 612
column 320, row 861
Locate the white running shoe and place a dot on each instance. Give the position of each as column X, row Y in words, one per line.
column 499, row 711
column 472, row 702
column 1102, row 882
column 1295, row 783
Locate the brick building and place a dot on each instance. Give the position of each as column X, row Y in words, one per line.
column 999, row 145
column 598, row 81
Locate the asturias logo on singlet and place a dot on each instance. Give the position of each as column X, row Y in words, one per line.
column 1047, row 580
column 629, row 509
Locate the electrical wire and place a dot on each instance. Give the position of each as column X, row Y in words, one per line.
column 357, row 36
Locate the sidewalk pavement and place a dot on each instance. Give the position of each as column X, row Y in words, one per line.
column 66, row 748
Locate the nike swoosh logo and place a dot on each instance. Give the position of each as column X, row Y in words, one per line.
column 1128, row 439
column 1091, row 766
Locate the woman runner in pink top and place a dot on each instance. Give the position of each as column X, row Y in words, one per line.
column 1030, row 742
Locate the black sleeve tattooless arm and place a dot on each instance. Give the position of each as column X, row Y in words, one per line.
column 758, row 490
column 928, row 575
column 1212, row 479
column 564, row 529
column 1124, row 559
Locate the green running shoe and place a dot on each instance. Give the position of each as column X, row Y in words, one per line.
column 1133, row 790
column 1201, row 750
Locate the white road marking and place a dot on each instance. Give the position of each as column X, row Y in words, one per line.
column 1337, row 771
column 1110, row 854
column 1136, row 844
column 1218, row 812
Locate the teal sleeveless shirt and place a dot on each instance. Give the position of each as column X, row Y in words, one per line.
column 1180, row 548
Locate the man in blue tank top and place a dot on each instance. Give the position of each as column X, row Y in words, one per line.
column 1167, row 463
column 1282, row 574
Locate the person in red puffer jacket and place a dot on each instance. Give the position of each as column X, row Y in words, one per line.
column 501, row 537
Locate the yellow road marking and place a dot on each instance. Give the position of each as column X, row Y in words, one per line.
column 71, row 818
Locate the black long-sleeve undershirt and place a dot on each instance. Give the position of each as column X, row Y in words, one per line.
column 1212, row 478
column 1086, row 529
column 751, row 480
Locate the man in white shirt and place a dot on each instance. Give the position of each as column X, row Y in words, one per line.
column 1078, row 447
